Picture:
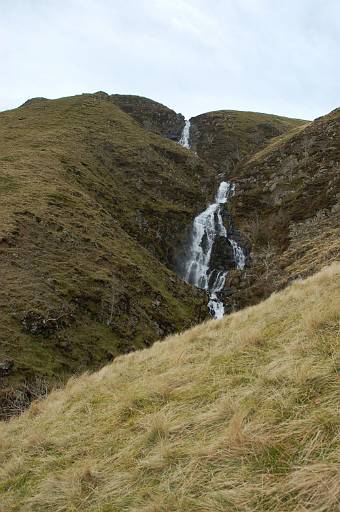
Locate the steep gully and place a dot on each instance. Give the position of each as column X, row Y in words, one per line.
column 207, row 226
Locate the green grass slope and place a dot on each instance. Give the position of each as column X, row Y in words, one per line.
column 92, row 208
column 233, row 415
column 225, row 137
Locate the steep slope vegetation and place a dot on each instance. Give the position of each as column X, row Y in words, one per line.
column 225, row 137
column 151, row 115
column 91, row 208
column 237, row 414
column 288, row 207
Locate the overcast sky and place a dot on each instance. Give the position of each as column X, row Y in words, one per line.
column 276, row 56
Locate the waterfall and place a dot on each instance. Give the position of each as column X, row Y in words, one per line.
column 215, row 305
column 206, row 227
column 184, row 140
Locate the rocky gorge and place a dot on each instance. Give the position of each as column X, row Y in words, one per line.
column 98, row 204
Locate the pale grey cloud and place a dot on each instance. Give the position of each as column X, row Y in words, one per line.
column 192, row 55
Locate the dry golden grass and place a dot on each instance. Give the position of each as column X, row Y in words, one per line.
column 313, row 244
column 234, row 415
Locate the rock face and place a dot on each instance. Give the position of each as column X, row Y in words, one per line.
column 151, row 115
column 225, row 137
column 92, row 209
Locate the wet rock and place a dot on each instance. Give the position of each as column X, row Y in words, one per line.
column 222, row 255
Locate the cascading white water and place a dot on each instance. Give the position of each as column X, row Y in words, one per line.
column 206, row 227
column 239, row 256
column 184, row 140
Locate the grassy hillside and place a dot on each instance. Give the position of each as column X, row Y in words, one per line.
column 287, row 206
column 233, row 415
column 225, row 137
column 92, row 209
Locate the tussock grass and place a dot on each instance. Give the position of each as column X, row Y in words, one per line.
column 234, row 415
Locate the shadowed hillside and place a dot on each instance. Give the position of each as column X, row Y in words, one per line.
column 92, row 209
column 239, row 414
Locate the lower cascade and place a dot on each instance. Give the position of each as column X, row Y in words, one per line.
column 207, row 226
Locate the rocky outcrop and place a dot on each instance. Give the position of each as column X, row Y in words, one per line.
column 34, row 101
column 151, row 115
column 222, row 256
column 225, row 137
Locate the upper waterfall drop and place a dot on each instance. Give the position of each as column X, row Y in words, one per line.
column 185, row 137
